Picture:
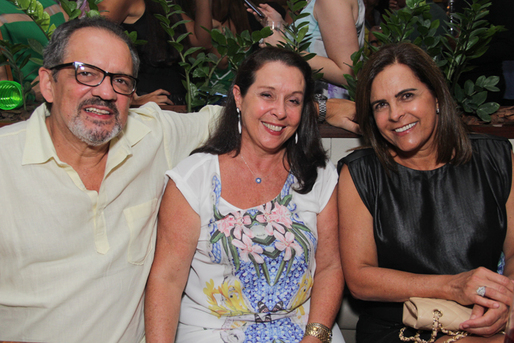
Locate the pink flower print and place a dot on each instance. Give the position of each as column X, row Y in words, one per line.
column 268, row 217
column 236, row 221
column 226, row 224
column 281, row 214
column 287, row 243
column 266, row 212
column 247, row 247
column 240, row 221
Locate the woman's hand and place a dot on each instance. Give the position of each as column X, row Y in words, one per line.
column 486, row 322
column 393, row 5
column 499, row 289
column 490, row 312
column 160, row 97
column 271, row 16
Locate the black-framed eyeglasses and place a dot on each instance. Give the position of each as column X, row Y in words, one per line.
column 93, row 76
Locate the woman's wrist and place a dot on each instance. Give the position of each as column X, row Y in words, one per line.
column 319, row 331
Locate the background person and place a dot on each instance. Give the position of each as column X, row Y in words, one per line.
column 337, row 29
column 160, row 75
column 247, row 223
column 428, row 209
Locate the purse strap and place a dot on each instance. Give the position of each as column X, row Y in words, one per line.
column 436, row 327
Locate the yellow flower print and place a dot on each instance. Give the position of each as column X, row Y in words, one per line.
column 227, row 299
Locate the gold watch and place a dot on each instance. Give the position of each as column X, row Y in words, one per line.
column 320, row 331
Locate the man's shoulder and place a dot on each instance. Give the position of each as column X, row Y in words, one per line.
column 151, row 112
column 12, row 141
column 151, row 115
column 13, row 130
column 17, row 132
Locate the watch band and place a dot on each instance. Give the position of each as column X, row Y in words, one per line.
column 322, row 104
column 320, row 331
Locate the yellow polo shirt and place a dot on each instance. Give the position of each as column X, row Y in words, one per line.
column 74, row 262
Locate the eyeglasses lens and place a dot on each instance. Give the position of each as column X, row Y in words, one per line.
column 92, row 76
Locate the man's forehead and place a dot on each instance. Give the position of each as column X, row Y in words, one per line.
column 93, row 33
column 97, row 45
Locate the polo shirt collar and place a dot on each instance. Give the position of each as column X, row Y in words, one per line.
column 39, row 147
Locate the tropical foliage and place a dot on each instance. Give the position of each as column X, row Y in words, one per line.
column 453, row 53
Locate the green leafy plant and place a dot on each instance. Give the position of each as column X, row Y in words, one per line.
column 453, row 55
column 199, row 66
column 36, row 12
column 296, row 36
column 235, row 48
column 16, row 56
column 72, row 10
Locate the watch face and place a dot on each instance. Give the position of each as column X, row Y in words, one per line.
column 319, row 97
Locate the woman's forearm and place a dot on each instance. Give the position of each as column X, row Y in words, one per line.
column 389, row 285
column 203, row 19
column 162, row 308
column 326, row 296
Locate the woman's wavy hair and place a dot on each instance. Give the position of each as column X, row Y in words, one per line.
column 303, row 157
column 451, row 137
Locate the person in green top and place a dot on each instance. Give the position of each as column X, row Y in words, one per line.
column 17, row 27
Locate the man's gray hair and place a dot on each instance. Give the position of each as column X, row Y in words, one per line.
column 56, row 49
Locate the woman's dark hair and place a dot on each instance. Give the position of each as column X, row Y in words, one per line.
column 451, row 136
column 233, row 12
column 303, row 157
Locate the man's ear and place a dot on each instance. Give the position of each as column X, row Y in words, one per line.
column 46, row 84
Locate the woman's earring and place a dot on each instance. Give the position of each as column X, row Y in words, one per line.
column 437, row 110
column 296, row 138
column 238, row 119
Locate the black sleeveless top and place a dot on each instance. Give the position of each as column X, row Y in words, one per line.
column 156, row 75
column 443, row 221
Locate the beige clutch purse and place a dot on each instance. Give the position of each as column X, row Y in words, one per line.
column 418, row 313
column 436, row 315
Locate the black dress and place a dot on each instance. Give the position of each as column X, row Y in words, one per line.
column 444, row 221
column 158, row 69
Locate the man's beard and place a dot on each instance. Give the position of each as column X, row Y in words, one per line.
column 97, row 135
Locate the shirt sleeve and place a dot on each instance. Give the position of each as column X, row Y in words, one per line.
column 187, row 131
column 182, row 132
column 189, row 177
column 325, row 184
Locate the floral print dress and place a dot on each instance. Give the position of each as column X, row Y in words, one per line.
column 252, row 272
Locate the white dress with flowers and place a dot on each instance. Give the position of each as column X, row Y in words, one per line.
column 252, row 272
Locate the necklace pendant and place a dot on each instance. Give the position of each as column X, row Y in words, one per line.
column 258, row 180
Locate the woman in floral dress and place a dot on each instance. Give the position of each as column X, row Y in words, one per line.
column 247, row 245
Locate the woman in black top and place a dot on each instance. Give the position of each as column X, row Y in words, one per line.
column 427, row 210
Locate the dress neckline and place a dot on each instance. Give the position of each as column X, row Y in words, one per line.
column 218, row 172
